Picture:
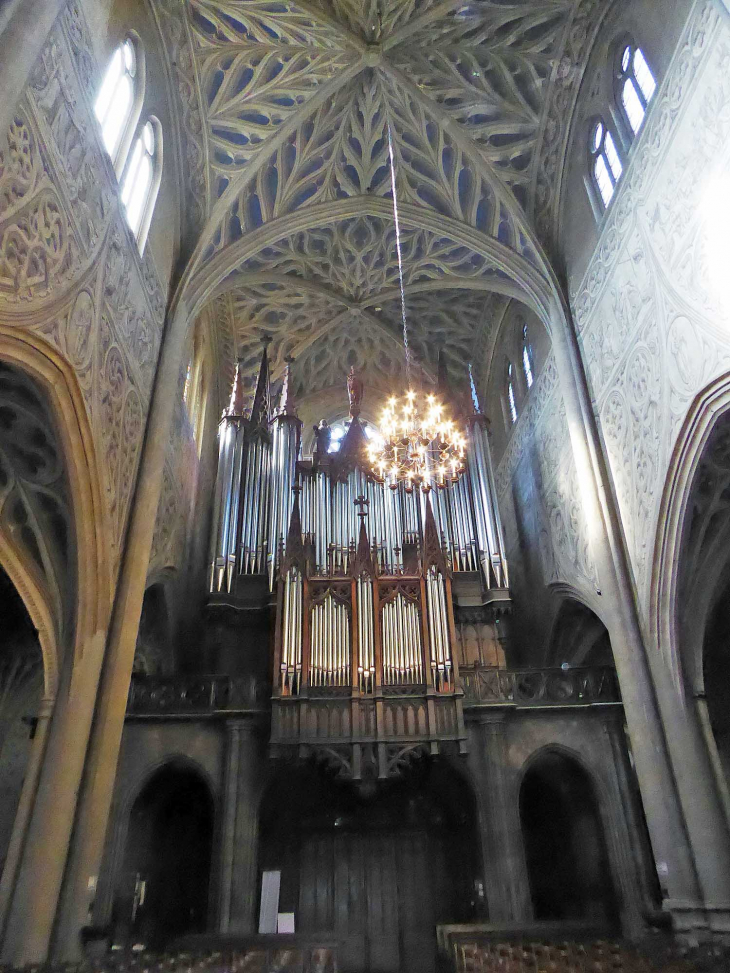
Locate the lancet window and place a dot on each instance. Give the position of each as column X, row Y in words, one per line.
column 142, row 179
column 606, row 165
column 119, row 99
column 636, row 85
column 511, row 400
column 527, row 358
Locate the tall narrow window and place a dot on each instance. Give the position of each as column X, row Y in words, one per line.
column 511, row 401
column 115, row 101
column 636, row 85
column 527, row 357
column 605, row 161
column 142, row 180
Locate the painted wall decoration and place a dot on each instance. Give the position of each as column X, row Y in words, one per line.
column 70, row 269
column 653, row 327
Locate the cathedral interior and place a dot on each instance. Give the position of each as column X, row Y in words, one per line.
column 365, row 485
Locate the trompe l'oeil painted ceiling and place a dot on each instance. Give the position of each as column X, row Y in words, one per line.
column 298, row 240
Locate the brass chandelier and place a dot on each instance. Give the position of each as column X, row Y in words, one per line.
column 421, row 446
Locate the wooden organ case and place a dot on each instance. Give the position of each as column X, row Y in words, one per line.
column 365, row 670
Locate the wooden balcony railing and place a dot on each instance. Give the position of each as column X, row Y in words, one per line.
column 585, row 686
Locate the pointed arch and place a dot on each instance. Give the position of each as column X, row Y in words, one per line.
column 708, row 407
column 512, row 274
column 37, row 604
column 34, row 356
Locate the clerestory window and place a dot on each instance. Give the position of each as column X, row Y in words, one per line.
column 636, row 85
column 511, row 400
column 527, row 358
column 118, row 99
column 606, row 165
column 142, row 179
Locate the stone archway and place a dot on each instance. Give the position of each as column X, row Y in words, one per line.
column 161, row 894
column 565, row 846
column 21, row 692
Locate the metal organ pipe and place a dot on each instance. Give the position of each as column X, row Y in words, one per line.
column 284, row 455
column 488, row 523
column 231, row 456
column 365, row 635
column 291, row 655
column 401, row 642
column 438, row 630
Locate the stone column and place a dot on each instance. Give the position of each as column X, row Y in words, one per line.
column 25, row 807
column 97, row 787
column 34, row 899
column 239, row 847
column 689, row 835
column 505, row 875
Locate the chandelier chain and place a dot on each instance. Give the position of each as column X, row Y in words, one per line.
column 399, row 252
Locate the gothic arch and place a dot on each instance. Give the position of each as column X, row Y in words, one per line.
column 164, row 772
column 577, row 619
column 513, row 274
column 124, row 799
column 33, row 356
column 599, row 795
column 37, row 605
column 707, row 410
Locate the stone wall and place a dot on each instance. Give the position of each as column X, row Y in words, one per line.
column 70, row 270
column 653, row 327
column 654, row 330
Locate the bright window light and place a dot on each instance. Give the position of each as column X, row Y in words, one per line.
column 114, row 102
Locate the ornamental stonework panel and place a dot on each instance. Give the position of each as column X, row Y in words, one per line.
column 654, row 325
column 69, row 267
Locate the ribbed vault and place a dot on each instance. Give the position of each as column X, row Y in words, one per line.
column 297, row 98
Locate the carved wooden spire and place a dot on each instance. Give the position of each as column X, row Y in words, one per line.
column 295, row 554
column 363, row 563
column 261, row 408
column 286, row 399
column 235, row 407
column 433, row 552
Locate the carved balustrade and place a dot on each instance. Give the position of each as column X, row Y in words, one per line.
column 195, row 695
column 583, row 686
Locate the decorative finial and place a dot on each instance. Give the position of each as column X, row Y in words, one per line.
column 354, row 392
column 474, row 394
column 286, row 403
column 362, row 503
column 235, row 406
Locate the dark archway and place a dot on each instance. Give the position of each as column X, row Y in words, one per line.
column 716, row 672
column 579, row 637
column 153, row 650
column 162, row 892
column 381, row 872
column 565, row 846
column 21, row 690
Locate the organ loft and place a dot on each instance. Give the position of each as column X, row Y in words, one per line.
column 364, row 486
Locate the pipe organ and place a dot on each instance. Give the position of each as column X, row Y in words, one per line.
column 365, row 653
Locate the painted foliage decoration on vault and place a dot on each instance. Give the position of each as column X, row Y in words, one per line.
column 314, row 292
column 300, row 99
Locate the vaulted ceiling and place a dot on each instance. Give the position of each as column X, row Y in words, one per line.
column 298, row 239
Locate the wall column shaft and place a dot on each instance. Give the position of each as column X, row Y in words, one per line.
column 505, row 875
column 690, row 879
column 244, row 851
column 97, row 788
column 25, row 808
column 39, row 875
